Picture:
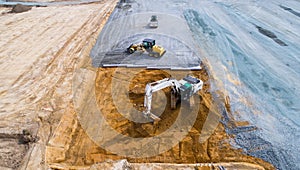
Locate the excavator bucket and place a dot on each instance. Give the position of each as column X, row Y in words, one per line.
column 130, row 49
column 151, row 116
column 158, row 50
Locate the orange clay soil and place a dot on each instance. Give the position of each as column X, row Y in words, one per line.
column 82, row 151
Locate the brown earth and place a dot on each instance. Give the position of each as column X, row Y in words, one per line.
column 82, row 151
column 189, row 150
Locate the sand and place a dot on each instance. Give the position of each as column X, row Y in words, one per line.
column 39, row 51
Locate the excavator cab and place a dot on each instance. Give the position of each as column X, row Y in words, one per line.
column 148, row 43
column 186, row 91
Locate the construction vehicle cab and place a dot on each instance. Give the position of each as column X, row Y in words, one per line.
column 148, row 43
column 189, row 86
column 153, row 22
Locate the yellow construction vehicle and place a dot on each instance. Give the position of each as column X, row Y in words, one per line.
column 149, row 46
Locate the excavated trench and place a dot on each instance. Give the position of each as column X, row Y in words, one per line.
column 189, row 150
column 115, row 87
column 136, row 91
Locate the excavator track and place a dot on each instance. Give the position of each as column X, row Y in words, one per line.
column 173, row 100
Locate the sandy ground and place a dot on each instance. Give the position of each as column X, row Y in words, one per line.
column 4, row 10
column 40, row 51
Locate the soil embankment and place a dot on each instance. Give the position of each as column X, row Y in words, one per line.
column 39, row 51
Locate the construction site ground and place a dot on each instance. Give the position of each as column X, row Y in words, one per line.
column 52, row 86
column 128, row 24
column 79, row 141
column 39, row 51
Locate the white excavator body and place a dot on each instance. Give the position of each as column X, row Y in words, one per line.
column 183, row 89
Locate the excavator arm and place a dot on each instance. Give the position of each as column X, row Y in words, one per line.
column 154, row 87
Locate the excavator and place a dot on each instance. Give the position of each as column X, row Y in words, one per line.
column 181, row 90
column 149, row 46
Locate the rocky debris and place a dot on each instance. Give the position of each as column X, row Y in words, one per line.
column 20, row 8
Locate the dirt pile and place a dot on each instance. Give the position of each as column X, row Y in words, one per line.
column 20, row 8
